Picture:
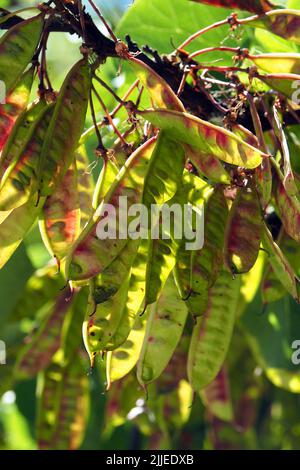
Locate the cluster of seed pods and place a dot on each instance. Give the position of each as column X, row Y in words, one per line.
column 133, row 299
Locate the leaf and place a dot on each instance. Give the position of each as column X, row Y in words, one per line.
column 106, row 178
column 207, row 165
column 91, row 255
column 270, row 337
column 277, row 63
column 288, row 207
column 243, row 232
column 160, row 92
column 212, row 334
column 284, row 83
column 284, row 23
column 164, row 329
column 205, row 137
column 256, row 6
column 17, row 47
column 59, row 220
column 15, row 103
column 65, row 128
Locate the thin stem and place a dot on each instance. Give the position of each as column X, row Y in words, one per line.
column 200, row 32
column 212, row 49
column 100, row 143
column 114, row 37
column 117, row 98
column 257, row 123
column 82, row 22
column 109, row 118
column 216, row 68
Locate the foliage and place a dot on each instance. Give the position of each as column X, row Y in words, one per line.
column 193, row 347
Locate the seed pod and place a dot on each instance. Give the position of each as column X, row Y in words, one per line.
column 284, row 23
column 63, row 403
column 280, row 264
column 20, row 180
column 283, row 82
column 164, row 329
column 263, row 179
column 135, row 297
column 216, row 397
column 161, row 184
column 14, row 228
column 256, row 6
column 20, row 134
column 272, row 288
column 277, row 63
column 205, row 137
column 212, row 334
column 123, row 359
column 38, row 352
column 243, row 232
column 59, row 220
column 106, row 179
column 17, row 47
column 288, row 207
column 91, row 255
column 65, row 128
column 15, row 103
column 85, row 185
column 208, row 261
column 160, row 92
column 207, row 165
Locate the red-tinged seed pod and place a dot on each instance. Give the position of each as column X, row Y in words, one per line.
column 15, row 103
column 60, row 218
column 208, row 165
column 288, row 207
column 65, row 128
column 243, row 232
column 217, row 398
column 263, row 178
column 17, row 47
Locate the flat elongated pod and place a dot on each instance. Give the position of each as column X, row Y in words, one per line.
column 280, row 264
column 161, row 93
column 44, row 285
column 15, row 227
column 102, row 321
column 63, row 403
column 207, row 262
column 212, row 334
column 272, row 288
column 135, row 296
column 113, row 276
column 284, row 23
column 85, row 185
column 161, row 184
column 288, row 207
column 216, row 396
column 163, row 332
column 15, row 103
column 59, row 220
column 282, row 82
column 19, row 136
column 20, row 181
column 207, row 165
column 243, row 232
column 264, row 182
column 17, row 47
column 123, row 359
column 38, row 352
column 256, row 6
column 105, row 180
column 277, row 63
column 92, row 253
column 205, row 137
column 65, row 128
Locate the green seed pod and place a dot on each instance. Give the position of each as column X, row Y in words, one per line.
column 243, row 232
column 17, row 47
column 65, row 128
column 288, row 207
column 164, row 329
column 216, row 397
column 207, row 165
column 277, row 63
column 106, row 178
column 59, row 220
column 212, row 334
column 272, row 288
column 205, row 137
column 85, row 185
